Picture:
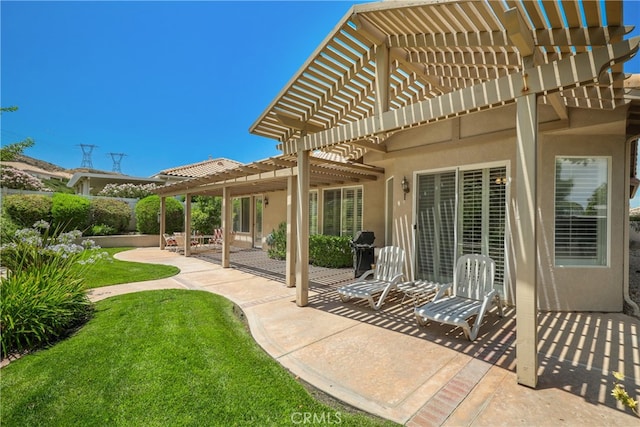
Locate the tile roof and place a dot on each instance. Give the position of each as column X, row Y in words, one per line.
column 200, row 169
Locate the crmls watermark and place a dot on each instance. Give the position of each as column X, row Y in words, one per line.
column 316, row 418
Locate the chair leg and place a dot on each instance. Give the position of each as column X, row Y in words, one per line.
column 499, row 304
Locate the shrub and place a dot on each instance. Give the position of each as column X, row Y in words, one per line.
column 8, row 229
column 277, row 241
column 26, row 209
column 19, row 180
column 43, row 295
column 131, row 191
column 115, row 214
column 102, row 230
column 70, row 212
column 147, row 211
column 330, row 251
column 324, row 251
column 206, row 213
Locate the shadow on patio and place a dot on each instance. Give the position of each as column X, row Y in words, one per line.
column 577, row 351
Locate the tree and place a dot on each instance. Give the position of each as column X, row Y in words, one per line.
column 11, row 151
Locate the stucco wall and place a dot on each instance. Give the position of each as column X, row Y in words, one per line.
column 487, row 139
column 593, row 133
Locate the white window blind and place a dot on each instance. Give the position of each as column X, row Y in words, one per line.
column 483, row 215
column 435, row 228
column 342, row 211
column 313, row 212
column 581, row 211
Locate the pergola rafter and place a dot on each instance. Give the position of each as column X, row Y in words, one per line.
column 435, row 48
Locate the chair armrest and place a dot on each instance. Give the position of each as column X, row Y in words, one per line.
column 366, row 274
column 395, row 279
column 442, row 289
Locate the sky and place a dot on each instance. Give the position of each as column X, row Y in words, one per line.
column 164, row 83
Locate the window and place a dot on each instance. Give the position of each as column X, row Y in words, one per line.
column 242, row 214
column 313, row 212
column 581, row 211
column 342, row 211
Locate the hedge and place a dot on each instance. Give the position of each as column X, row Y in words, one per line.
column 324, row 251
column 70, row 212
column 26, row 209
column 112, row 213
column 330, row 251
column 147, row 211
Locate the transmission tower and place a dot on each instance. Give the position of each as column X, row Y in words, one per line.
column 87, row 149
column 117, row 158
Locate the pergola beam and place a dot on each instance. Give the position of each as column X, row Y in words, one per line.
column 569, row 72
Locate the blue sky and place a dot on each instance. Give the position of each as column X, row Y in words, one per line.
column 166, row 83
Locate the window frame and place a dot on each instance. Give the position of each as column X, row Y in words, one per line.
column 244, row 213
column 566, row 261
column 358, row 209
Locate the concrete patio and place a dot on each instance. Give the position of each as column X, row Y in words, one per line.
column 384, row 363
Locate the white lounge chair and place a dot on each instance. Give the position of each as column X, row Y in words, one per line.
column 386, row 276
column 472, row 295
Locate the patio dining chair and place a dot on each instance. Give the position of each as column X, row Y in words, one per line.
column 170, row 242
column 385, row 277
column 472, row 294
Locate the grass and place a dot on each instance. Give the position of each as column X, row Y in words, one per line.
column 159, row 358
column 113, row 272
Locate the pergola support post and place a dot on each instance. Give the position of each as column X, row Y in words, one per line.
column 291, row 231
column 302, row 225
column 187, row 224
column 526, row 250
column 161, row 218
column 226, row 226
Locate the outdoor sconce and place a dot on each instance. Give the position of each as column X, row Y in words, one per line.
column 405, row 186
column 266, row 200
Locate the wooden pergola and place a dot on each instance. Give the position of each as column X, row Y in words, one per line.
column 273, row 174
column 390, row 66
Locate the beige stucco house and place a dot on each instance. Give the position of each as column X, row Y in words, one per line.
column 452, row 127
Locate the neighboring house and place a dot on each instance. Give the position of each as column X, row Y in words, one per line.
column 466, row 127
column 91, row 183
column 196, row 170
column 36, row 171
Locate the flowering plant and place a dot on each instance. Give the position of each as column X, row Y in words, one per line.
column 19, row 180
column 621, row 395
column 130, row 191
column 43, row 294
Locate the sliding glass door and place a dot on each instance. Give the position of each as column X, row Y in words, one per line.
column 477, row 226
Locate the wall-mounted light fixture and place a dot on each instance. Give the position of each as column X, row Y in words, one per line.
column 266, row 200
column 405, row 186
column 501, row 180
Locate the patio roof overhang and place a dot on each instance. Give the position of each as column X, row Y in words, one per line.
column 390, row 66
column 395, row 65
column 272, row 174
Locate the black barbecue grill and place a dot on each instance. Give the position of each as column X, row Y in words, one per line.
column 363, row 251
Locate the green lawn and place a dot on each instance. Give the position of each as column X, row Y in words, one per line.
column 113, row 271
column 159, row 358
